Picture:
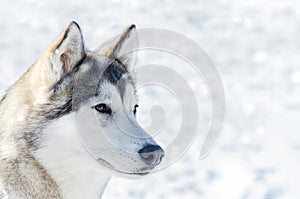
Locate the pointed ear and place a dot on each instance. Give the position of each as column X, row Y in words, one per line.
column 123, row 47
column 63, row 55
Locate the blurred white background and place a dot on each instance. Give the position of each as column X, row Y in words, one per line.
column 255, row 45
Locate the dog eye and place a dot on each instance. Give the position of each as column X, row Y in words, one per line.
column 134, row 109
column 103, row 108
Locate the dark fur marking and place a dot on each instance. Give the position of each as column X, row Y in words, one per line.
column 58, row 112
column 3, row 98
column 114, row 73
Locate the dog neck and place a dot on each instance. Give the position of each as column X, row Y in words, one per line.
column 75, row 171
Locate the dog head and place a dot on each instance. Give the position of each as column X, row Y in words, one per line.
column 98, row 89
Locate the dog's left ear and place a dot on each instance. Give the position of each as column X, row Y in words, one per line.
column 62, row 55
column 123, row 47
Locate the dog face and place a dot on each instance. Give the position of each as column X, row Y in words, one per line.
column 98, row 90
column 106, row 120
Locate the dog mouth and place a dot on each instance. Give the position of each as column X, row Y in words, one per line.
column 133, row 174
column 150, row 155
column 144, row 171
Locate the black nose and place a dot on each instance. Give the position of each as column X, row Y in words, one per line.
column 152, row 154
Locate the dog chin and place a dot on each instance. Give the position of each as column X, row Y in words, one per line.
column 125, row 174
column 132, row 175
column 129, row 175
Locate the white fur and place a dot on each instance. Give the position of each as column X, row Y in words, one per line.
column 3, row 193
column 75, row 171
column 72, row 144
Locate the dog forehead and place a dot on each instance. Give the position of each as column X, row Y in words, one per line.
column 123, row 87
column 99, row 76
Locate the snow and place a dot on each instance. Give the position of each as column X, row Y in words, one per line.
column 255, row 47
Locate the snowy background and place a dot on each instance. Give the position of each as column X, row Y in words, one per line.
column 255, row 45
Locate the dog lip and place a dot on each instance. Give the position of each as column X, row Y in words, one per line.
column 132, row 173
column 108, row 165
column 141, row 174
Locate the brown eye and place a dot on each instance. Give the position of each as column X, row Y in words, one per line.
column 103, row 108
column 134, row 109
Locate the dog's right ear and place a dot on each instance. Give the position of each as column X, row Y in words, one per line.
column 62, row 56
column 123, row 47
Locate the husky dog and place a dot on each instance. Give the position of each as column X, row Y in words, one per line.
column 68, row 123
